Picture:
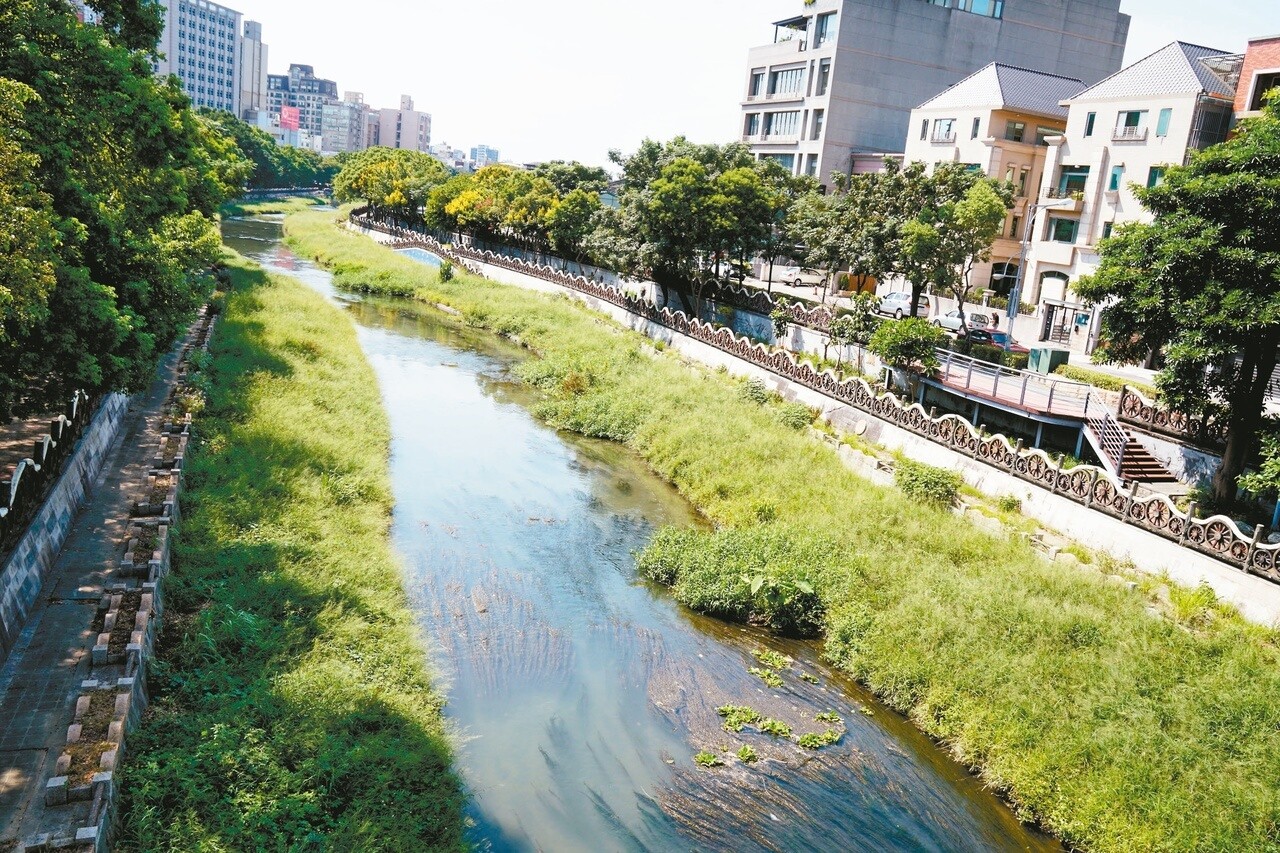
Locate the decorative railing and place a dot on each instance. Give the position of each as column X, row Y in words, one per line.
column 1093, row 487
column 23, row 493
column 1136, row 410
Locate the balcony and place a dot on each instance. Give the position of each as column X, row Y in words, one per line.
column 1070, row 199
column 770, row 138
column 943, row 138
column 784, row 96
column 1129, row 134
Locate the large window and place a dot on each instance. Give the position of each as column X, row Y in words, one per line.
column 944, row 130
column 1131, row 124
column 1014, row 130
column 756, row 89
column 1263, row 83
column 1063, row 230
column 986, row 8
column 1072, row 180
column 818, row 117
column 1043, row 134
column 782, row 124
column 1117, row 177
column 824, row 77
column 1155, row 176
column 785, row 82
column 1162, row 123
column 825, row 31
column 811, row 166
column 787, row 161
column 752, row 126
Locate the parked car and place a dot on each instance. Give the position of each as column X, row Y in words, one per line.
column 954, row 321
column 800, row 276
column 994, row 338
column 898, row 304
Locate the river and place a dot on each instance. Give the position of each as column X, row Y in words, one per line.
column 579, row 692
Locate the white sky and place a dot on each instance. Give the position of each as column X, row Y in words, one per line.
column 571, row 79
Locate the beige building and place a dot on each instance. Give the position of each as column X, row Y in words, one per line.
column 344, row 126
column 253, row 70
column 403, row 128
column 997, row 121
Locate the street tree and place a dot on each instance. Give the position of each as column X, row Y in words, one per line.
column 1201, row 285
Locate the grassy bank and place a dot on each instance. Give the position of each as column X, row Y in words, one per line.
column 292, row 204
column 291, row 707
column 1117, row 729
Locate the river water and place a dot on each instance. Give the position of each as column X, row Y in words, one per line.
column 579, row 692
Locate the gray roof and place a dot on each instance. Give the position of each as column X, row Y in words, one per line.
column 1174, row 69
column 1009, row 87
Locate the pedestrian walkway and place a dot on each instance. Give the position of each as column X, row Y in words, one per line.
column 41, row 678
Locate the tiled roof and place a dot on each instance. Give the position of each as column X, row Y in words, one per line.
column 1009, row 87
column 1173, row 69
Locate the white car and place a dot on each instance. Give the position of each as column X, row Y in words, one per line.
column 800, row 276
column 898, row 304
column 954, row 321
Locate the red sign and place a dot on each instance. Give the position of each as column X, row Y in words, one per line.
column 290, row 118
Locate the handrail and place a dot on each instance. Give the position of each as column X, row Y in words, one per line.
column 1111, row 440
column 1022, row 388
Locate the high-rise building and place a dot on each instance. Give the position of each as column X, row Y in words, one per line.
column 253, row 70
column 200, row 46
column 345, row 124
column 841, row 79
column 483, row 155
column 404, row 128
column 301, row 88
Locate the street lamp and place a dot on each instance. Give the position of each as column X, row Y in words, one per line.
column 1015, row 295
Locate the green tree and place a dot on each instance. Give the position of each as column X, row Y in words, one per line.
column 911, row 343
column 394, row 182
column 1201, row 284
column 572, row 222
column 567, row 177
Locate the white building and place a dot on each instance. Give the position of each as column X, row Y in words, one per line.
column 344, row 125
column 997, row 121
column 483, row 155
column 253, row 70
column 1122, row 132
column 200, row 45
column 836, row 87
column 404, row 128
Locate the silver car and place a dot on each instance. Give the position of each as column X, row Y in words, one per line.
column 954, row 321
column 898, row 304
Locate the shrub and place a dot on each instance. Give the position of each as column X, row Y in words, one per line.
column 755, row 391
column 926, row 483
column 446, row 271
column 907, row 342
column 795, row 415
column 1008, row 503
column 780, row 317
column 1105, row 381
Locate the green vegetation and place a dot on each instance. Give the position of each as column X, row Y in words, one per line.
column 291, row 707
column 829, row 717
column 809, row 677
column 1117, row 729
column 747, row 755
column 927, row 483
column 769, row 657
column 269, row 166
column 810, row 740
column 737, row 716
column 768, row 676
column 911, row 342
column 292, row 204
column 1009, row 503
column 707, row 759
column 1103, row 380
column 777, row 728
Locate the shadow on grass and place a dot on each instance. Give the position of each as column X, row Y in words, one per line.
column 291, row 708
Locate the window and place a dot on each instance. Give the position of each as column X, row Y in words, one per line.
column 1023, row 177
column 1072, row 180
column 811, row 166
column 1117, row 175
column 818, row 116
column 787, row 161
column 1263, row 83
column 1162, row 123
column 924, row 128
column 1131, row 124
column 785, row 82
column 944, row 130
column 824, row 32
column 1155, row 176
column 1088, row 123
column 752, row 127
column 824, row 77
column 1062, row 230
column 1013, row 130
column 1015, row 226
column 986, row 8
column 1043, row 133
column 757, row 84
column 782, row 124
column 1011, row 174
column 1106, row 229
column 977, row 123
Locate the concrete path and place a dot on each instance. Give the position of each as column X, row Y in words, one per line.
column 41, row 676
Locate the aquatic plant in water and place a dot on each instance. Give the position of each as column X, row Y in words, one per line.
column 747, row 755
column 768, row 657
column 777, row 728
column 737, row 716
column 768, row 676
column 707, row 759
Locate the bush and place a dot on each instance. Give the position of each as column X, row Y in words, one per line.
column 926, row 483
column 908, row 342
column 755, row 391
column 446, row 271
column 1105, row 381
column 795, row 415
column 1008, row 503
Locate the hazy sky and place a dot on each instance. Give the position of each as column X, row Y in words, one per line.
column 573, row 78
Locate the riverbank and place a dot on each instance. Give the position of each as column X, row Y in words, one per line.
column 291, row 204
column 1115, row 728
column 291, row 705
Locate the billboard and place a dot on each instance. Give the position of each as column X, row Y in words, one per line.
column 290, row 118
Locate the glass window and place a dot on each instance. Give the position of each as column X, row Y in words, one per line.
column 757, row 84
column 788, row 161
column 1062, row 230
column 1015, row 226
column 785, row 82
column 1011, row 174
column 1043, row 133
column 825, row 30
column 1014, row 130
column 1072, row 180
column 1162, row 123
column 811, row 166
column 1106, row 229
column 752, row 127
column 944, row 129
column 818, row 116
column 1023, row 177
column 782, row 124
column 1155, row 176
column 977, row 123
column 1088, row 123
column 1131, row 124
column 924, row 128
column 1117, row 175
column 824, row 77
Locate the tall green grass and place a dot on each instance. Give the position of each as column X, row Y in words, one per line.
column 291, row 204
column 1117, row 729
column 291, row 705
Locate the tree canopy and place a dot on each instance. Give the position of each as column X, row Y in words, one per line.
column 1201, row 285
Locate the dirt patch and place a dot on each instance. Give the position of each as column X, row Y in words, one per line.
column 130, row 601
column 93, row 737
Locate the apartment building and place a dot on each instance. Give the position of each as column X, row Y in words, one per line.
column 345, row 124
column 253, row 71
column 200, row 45
column 1259, row 74
column 301, row 88
column 835, row 88
column 404, row 128
column 996, row 121
column 1122, row 132
column 483, row 155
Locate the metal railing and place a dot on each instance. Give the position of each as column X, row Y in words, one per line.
column 1129, row 134
column 1021, row 389
column 943, row 138
column 1109, row 439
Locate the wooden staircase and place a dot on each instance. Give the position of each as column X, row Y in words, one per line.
column 1122, row 455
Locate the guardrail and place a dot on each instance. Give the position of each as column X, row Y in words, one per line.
column 1022, row 388
column 23, row 493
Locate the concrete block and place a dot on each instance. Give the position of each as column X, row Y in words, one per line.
column 55, row 791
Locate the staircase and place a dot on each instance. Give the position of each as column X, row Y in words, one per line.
column 1121, row 454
